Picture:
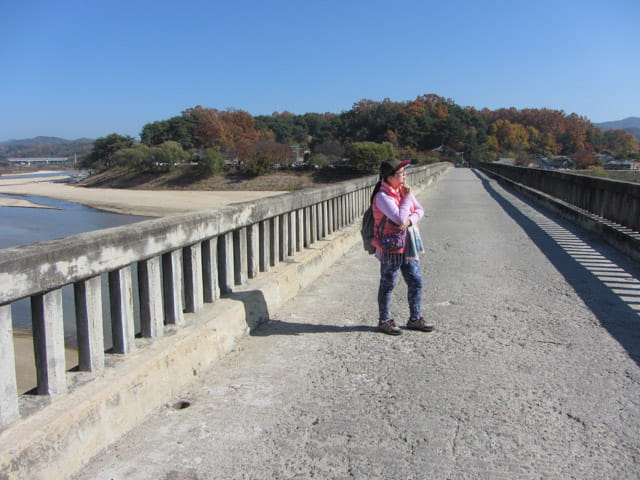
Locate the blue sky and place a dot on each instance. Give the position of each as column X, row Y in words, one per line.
column 87, row 68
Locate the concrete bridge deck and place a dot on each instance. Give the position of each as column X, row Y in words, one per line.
column 533, row 371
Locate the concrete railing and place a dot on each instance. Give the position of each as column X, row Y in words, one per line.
column 611, row 200
column 182, row 262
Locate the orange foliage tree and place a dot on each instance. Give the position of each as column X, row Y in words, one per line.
column 229, row 130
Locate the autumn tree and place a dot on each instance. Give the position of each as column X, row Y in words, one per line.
column 621, row 144
column 584, row 159
column 240, row 134
column 277, row 153
column 227, row 131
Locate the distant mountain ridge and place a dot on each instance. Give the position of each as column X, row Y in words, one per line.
column 630, row 122
column 630, row 125
column 45, row 147
column 44, row 141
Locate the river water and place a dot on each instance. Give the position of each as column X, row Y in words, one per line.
column 22, row 226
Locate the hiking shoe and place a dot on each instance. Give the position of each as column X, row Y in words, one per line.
column 389, row 327
column 419, row 324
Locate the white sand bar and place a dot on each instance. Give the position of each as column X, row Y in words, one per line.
column 153, row 203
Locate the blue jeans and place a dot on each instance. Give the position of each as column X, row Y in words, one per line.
column 412, row 275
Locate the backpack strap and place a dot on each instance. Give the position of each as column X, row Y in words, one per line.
column 383, row 222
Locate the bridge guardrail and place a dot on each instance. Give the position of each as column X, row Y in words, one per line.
column 611, row 200
column 182, row 262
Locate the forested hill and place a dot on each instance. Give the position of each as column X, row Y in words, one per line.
column 45, row 147
column 427, row 129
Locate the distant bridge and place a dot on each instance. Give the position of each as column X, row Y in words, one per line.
column 40, row 160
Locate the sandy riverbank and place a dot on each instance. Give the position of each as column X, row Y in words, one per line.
column 25, row 364
column 152, row 203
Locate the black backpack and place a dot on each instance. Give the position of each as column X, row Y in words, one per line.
column 366, row 230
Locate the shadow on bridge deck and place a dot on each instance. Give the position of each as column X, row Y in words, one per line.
column 257, row 314
column 295, row 328
column 606, row 280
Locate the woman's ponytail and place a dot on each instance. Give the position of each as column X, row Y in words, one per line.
column 376, row 189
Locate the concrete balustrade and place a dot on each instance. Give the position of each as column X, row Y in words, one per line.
column 182, row 262
column 612, row 200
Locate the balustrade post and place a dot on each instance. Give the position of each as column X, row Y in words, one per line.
column 274, row 240
column 291, row 251
column 355, row 204
column 210, row 269
column 325, row 220
column 121, row 301
column 48, row 342
column 253, row 250
column 172, row 287
column 240, row 263
column 8, row 383
column 314, row 223
column 330, row 216
column 225, row 262
column 88, row 304
column 299, row 230
column 347, row 207
column 284, row 236
column 351, row 202
column 334, row 209
column 193, row 289
column 150, row 293
column 307, row 227
column 264, row 230
column 345, row 202
column 336, row 214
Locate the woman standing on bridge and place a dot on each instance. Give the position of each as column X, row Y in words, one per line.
column 397, row 240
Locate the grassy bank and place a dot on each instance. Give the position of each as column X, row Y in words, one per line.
column 184, row 179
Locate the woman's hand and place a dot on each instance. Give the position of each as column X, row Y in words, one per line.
column 407, row 189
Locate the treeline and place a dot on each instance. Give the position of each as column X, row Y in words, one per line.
column 427, row 129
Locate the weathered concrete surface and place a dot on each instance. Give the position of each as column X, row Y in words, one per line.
column 51, row 443
column 532, row 372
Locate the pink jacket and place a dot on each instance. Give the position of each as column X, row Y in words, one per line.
column 398, row 208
